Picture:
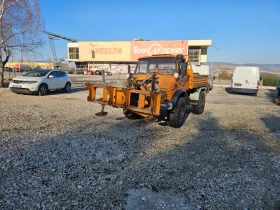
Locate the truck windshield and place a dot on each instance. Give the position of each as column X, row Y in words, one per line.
column 156, row 65
column 37, row 73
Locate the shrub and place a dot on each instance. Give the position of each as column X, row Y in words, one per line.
column 270, row 81
column 224, row 75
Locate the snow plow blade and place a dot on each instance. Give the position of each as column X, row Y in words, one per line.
column 141, row 102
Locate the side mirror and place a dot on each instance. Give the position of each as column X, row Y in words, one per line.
column 51, row 76
column 214, row 77
column 260, row 78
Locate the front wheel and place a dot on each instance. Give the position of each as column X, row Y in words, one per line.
column 199, row 107
column 180, row 113
column 43, row 90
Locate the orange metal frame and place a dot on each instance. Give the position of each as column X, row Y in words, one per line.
column 120, row 98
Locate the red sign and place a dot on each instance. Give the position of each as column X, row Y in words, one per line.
column 148, row 48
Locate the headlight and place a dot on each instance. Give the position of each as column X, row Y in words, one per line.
column 175, row 75
column 15, row 81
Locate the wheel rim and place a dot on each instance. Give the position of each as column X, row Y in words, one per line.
column 43, row 90
column 68, row 87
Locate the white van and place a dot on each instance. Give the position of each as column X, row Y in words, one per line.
column 245, row 79
column 205, row 70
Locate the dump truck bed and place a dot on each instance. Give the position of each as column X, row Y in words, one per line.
column 199, row 81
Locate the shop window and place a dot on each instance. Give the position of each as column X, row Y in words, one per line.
column 73, row 53
column 195, row 55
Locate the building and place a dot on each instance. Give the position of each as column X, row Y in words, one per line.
column 41, row 64
column 117, row 55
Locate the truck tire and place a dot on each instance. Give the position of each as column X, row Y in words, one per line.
column 208, row 88
column 179, row 114
column 199, row 107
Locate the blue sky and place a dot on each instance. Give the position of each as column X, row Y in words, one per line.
column 248, row 29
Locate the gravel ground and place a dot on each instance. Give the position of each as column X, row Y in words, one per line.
column 56, row 154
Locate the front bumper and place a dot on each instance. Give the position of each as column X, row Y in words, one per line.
column 24, row 88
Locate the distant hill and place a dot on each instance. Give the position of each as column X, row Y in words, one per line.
column 265, row 68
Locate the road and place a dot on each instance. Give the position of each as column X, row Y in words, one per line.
column 222, row 82
column 78, row 79
column 94, row 78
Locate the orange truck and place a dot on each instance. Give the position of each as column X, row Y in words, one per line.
column 162, row 87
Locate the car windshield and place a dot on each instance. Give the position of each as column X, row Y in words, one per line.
column 37, row 73
column 156, row 65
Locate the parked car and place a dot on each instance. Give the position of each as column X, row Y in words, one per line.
column 22, row 67
column 106, row 72
column 40, row 81
column 8, row 69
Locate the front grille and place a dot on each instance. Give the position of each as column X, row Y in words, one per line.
column 23, row 82
column 17, row 88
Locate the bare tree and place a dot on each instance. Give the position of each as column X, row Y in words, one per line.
column 21, row 26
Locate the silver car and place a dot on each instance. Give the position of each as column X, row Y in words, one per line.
column 40, row 81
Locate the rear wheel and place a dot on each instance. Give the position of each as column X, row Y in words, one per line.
column 199, row 107
column 42, row 90
column 180, row 113
column 67, row 87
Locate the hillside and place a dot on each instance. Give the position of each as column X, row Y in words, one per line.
column 266, row 69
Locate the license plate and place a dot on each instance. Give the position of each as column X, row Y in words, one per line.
column 237, row 85
column 18, row 86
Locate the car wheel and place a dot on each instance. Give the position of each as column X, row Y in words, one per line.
column 43, row 90
column 67, row 87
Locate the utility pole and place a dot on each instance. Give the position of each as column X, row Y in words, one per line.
column 216, row 49
column 93, row 52
column 20, row 55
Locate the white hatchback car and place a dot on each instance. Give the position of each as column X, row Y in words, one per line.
column 40, row 81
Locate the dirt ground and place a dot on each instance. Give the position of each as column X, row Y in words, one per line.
column 56, row 154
